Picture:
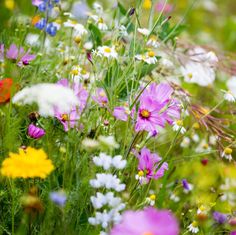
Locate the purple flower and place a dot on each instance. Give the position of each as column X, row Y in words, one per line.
column 233, row 233
column 100, row 97
column 146, row 222
column 219, row 217
column 185, row 184
column 156, row 108
column 35, row 132
column 148, row 165
column 58, row 198
column 70, row 120
column 19, row 55
column 120, row 113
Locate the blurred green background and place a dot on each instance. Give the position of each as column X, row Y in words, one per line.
column 208, row 22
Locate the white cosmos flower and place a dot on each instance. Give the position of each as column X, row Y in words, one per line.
column 47, row 96
column 200, row 68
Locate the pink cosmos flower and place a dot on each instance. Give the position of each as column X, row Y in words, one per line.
column 70, row 120
column 19, row 55
column 35, row 132
column 147, row 222
column 149, row 164
column 37, row 2
column 100, row 97
column 166, row 8
column 156, row 108
column 120, row 113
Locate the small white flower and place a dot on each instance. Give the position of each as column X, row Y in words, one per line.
column 108, row 181
column 108, row 52
column 108, row 141
column 98, row 8
column 103, row 160
column 149, row 57
column 79, row 28
column 79, row 73
column 228, row 96
column 185, row 142
column 100, row 22
column 151, row 200
column 174, row 197
column 90, row 143
column 231, row 84
column 200, row 68
column 144, row 31
column 178, row 126
column 118, row 163
column 123, row 31
column 88, row 45
column 203, row 147
column 227, row 153
column 47, row 96
column 193, row 227
column 195, row 137
column 152, row 41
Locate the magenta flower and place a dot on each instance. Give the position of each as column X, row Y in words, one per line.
column 70, row 120
column 148, row 166
column 19, row 55
column 147, row 222
column 35, row 132
column 156, row 108
column 100, row 97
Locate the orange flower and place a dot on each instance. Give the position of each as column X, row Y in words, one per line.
column 5, row 89
column 35, row 20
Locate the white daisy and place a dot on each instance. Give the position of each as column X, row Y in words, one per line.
column 108, row 52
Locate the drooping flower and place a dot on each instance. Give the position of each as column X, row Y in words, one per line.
column 156, row 108
column 35, row 132
column 47, row 96
column 29, row 163
column 58, row 198
column 6, row 86
column 146, row 222
column 149, row 166
column 19, row 55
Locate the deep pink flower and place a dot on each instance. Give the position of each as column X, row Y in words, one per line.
column 35, row 132
column 70, row 120
column 149, row 164
column 156, row 108
column 100, row 97
column 233, row 233
column 166, row 8
column 19, row 55
column 147, row 222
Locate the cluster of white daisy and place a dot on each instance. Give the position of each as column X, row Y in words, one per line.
column 111, row 204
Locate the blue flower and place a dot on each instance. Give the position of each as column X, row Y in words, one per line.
column 41, row 24
column 58, row 198
column 51, row 29
column 42, row 7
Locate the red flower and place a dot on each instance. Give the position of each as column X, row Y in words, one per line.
column 5, row 89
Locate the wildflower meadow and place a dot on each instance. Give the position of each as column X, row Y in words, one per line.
column 117, row 117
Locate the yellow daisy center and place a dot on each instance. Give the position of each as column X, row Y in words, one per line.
column 228, row 150
column 151, row 54
column 107, row 50
column 153, row 197
column 145, row 113
column 179, row 122
column 140, row 173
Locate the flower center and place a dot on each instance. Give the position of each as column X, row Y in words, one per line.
column 145, row 113
column 151, row 54
column 107, row 50
column 228, row 150
column 147, row 233
column 179, row 122
column 153, row 197
column 101, row 21
column 190, row 75
column 65, row 117
column 83, row 71
column 140, row 173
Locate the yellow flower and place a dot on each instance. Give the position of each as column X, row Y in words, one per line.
column 10, row 4
column 29, row 163
column 147, row 4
